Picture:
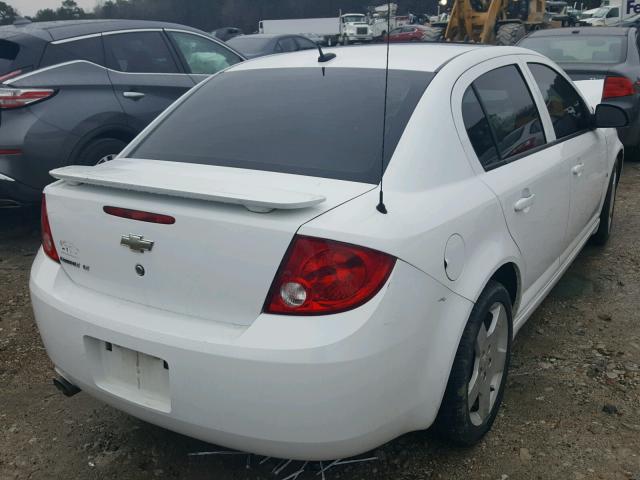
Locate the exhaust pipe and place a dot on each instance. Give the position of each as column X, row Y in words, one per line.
column 68, row 389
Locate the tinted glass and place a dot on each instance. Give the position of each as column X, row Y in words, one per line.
column 580, row 48
column 288, row 44
column 567, row 110
column 478, row 129
column 509, row 107
column 8, row 53
column 203, row 56
column 303, row 121
column 141, row 52
column 89, row 49
column 305, row 44
column 249, row 45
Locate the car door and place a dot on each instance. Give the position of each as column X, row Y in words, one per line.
column 613, row 16
column 144, row 73
column 582, row 146
column 506, row 139
column 200, row 55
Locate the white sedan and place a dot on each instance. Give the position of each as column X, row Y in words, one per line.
column 233, row 275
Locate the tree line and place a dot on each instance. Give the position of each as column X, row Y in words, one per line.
column 210, row 14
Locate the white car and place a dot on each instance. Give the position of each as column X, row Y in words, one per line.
column 232, row 275
column 604, row 16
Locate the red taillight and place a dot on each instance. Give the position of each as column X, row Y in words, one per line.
column 617, row 87
column 321, row 277
column 7, row 76
column 139, row 215
column 10, row 151
column 21, row 97
column 48, row 245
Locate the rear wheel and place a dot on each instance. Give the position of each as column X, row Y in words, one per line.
column 510, row 33
column 608, row 209
column 433, row 34
column 478, row 376
column 100, row 150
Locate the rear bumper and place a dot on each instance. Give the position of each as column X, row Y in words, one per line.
column 310, row 388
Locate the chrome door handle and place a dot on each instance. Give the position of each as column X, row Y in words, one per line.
column 524, row 203
column 133, row 95
column 577, row 169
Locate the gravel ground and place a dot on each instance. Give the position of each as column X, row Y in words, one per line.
column 571, row 410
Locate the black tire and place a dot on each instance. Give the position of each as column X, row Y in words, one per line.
column 510, row 33
column 454, row 420
column 96, row 151
column 433, row 34
column 608, row 209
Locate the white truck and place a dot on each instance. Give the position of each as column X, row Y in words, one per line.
column 345, row 29
column 384, row 20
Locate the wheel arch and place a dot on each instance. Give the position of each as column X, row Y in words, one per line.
column 118, row 132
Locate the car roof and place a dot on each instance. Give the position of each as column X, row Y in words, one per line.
column 599, row 31
column 426, row 57
column 63, row 29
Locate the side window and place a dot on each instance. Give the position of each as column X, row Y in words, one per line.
column 304, row 44
column 288, row 44
column 568, row 112
column 510, row 110
column 140, row 52
column 89, row 49
column 613, row 13
column 477, row 126
column 201, row 55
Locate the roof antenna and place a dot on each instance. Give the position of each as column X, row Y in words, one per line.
column 324, row 57
column 381, row 206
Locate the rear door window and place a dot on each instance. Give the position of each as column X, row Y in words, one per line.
column 478, row 129
column 89, row 49
column 510, row 110
column 8, row 54
column 568, row 112
column 288, row 44
column 201, row 55
column 307, row 121
column 139, row 52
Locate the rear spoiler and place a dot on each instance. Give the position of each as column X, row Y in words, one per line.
column 256, row 198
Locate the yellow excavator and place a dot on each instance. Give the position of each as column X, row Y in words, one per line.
column 500, row 22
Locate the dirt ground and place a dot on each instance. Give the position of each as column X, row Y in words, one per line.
column 571, row 410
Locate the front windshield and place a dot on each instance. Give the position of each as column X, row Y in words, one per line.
column 601, row 13
column 354, row 19
column 580, row 49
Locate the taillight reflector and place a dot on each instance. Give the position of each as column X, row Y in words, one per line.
column 7, row 76
column 48, row 245
column 21, row 97
column 139, row 215
column 617, row 87
column 10, row 151
column 321, row 277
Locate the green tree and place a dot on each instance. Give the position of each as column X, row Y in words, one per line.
column 7, row 14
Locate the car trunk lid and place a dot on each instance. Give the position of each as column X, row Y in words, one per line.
column 218, row 259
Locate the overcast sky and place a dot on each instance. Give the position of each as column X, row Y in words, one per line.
column 30, row 7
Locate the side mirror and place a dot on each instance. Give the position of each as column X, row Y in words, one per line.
column 610, row 116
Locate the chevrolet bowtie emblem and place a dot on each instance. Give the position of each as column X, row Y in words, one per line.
column 137, row 243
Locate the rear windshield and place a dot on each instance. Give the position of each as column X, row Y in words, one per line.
column 307, row 121
column 8, row 53
column 580, row 48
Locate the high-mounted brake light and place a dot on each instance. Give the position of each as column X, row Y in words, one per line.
column 617, row 87
column 139, row 215
column 21, row 97
column 321, row 277
column 48, row 245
